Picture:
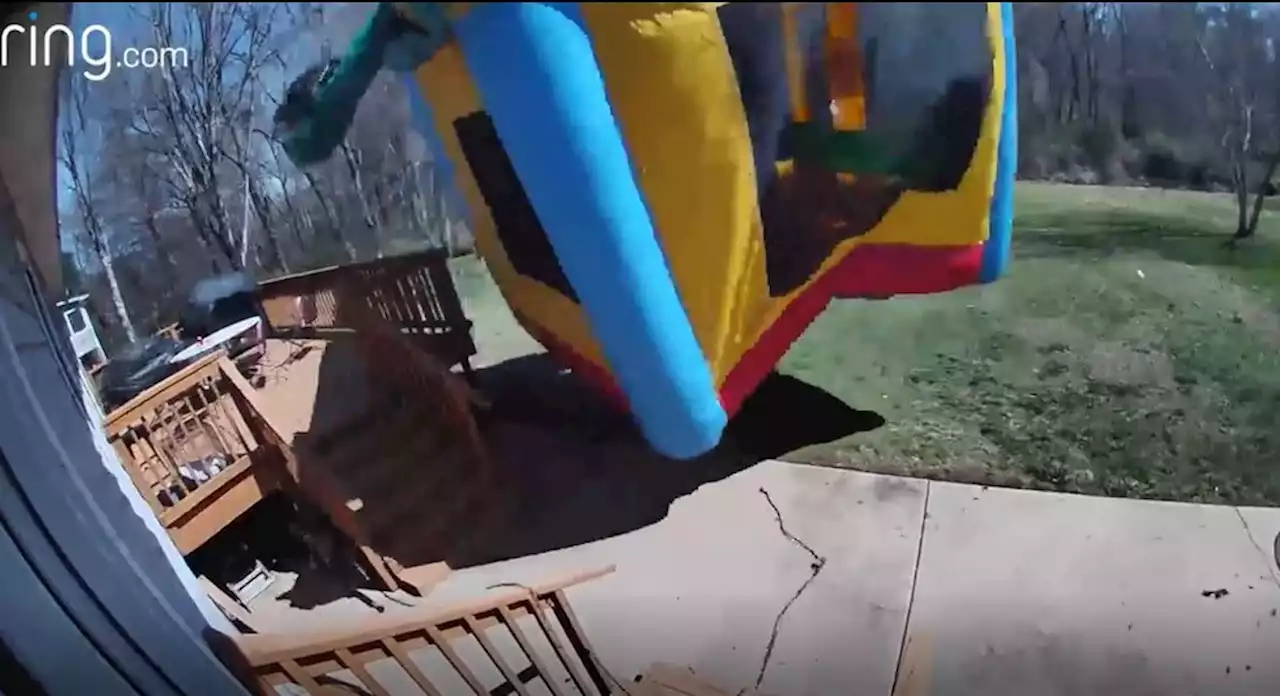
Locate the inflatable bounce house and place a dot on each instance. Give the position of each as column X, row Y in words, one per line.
column 668, row 194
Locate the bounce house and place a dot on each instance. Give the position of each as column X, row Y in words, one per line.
column 668, row 194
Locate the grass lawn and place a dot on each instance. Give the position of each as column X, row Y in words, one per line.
column 1126, row 353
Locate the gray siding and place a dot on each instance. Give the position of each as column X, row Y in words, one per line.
column 93, row 572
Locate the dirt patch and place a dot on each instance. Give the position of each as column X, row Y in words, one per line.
column 1116, row 363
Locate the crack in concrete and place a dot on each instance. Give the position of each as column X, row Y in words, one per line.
column 911, row 595
column 815, row 567
column 1271, row 563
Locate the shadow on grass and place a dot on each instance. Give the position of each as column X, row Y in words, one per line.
column 782, row 415
column 1097, row 234
column 581, row 471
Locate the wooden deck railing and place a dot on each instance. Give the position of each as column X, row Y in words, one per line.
column 504, row 644
column 197, row 450
column 414, row 292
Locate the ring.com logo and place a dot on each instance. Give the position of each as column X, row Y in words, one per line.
column 92, row 46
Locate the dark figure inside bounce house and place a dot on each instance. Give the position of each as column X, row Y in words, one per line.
column 668, row 194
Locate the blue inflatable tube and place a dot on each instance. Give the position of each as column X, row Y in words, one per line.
column 995, row 253
column 537, row 76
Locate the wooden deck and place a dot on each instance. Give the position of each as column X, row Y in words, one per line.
column 201, row 453
column 370, row 419
column 290, row 372
column 198, row 450
column 361, row 421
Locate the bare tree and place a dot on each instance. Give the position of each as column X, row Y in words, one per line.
column 75, row 131
column 179, row 175
column 198, row 115
column 1242, row 106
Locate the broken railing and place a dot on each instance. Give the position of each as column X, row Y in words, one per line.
column 406, row 472
column 523, row 637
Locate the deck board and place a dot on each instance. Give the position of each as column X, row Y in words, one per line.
column 293, row 384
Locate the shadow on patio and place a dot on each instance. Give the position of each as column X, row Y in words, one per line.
column 566, row 468
column 580, row 472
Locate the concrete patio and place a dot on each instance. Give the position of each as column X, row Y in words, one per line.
column 921, row 588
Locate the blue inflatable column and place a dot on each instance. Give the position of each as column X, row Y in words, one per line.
column 536, row 73
column 995, row 253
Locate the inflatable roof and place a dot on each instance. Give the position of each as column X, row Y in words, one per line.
column 668, row 194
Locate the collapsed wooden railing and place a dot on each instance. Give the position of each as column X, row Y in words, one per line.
column 419, row 485
column 414, row 293
column 198, row 450
column 406, row 475
column 524, row 636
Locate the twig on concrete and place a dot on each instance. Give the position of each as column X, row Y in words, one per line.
column 815, row 567
column 517, row 585
column 1271, row 563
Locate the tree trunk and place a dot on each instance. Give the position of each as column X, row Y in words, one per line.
column 262, row 211
column 351, row 158
column 330, row 216
column 290, row 211
column 1246, row 228
column 117, row 297
column 1073, row 105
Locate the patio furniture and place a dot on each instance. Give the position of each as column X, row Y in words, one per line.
column 218, row 340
